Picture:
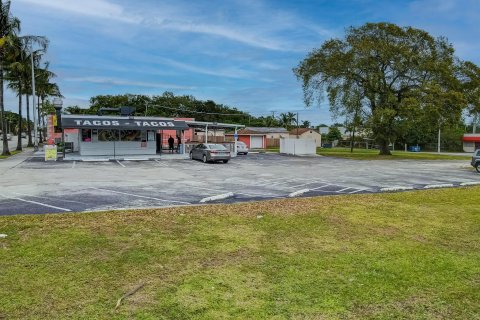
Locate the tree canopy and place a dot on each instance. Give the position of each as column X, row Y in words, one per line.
column 386, row 74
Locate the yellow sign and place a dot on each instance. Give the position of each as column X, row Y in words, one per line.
column 51, row 153
column 54, row 120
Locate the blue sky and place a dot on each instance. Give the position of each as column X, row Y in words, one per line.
column 239, row 53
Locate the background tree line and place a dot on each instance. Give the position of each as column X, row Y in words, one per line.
column 185, row 106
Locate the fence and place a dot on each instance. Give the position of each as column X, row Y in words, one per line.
column 273, row 143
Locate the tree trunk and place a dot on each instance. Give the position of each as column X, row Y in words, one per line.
column 29, row 128
column 5, row 151
column 20, row 127
column 384, row 150
column 38, row 120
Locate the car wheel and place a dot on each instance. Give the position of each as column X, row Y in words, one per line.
column 204, row 158
column 191, row 156
column 225, row 161
column 477, row 167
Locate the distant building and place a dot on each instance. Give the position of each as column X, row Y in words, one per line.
column 307, row 133
column 471, row 142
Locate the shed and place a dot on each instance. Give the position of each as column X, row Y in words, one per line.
column 307, row 133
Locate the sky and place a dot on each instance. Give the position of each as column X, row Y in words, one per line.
column 238, row 53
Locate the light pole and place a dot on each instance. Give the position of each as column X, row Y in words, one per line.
column 35, row 142
column 57, row 104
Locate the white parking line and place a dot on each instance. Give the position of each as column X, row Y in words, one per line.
column 120, row 163
column 35, row 202
column 218, row 197
column 358, row 190
column 298, row 193
column 139, row 196
column 344, row 189
column 433, row 186
column 318, row 188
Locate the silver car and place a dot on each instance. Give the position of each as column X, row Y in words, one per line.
column 210, row 152
column 242, row 148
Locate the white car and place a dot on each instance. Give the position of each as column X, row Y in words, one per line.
column 242, row 148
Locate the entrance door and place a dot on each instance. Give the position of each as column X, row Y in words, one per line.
column 159, row 142
column 477, row 145
column 256, row 142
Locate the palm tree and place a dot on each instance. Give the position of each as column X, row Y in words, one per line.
column 9, row 27
column 44, row 89
column 17, row 71
column 287, row 119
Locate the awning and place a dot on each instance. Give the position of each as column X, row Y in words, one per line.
column 471, row 138
column 122, row 124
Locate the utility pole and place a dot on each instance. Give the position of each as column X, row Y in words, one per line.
column 438, row 149
column 297, row 125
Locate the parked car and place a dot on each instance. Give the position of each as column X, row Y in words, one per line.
column 476, row 160
column 210, row 152
column 242, row 148
column 24, row 135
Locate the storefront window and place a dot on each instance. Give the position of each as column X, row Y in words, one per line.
column 86, row 135
column 130, row 135
column 108, row 135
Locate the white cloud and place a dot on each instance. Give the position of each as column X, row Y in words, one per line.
column 94, row 8
column 120, row 82
column 226, row 72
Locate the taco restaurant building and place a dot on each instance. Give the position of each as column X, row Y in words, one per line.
column 118, row 136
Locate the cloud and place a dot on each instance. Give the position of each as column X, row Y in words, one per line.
column 224, row 72
column 94, row 8
column 120, row 82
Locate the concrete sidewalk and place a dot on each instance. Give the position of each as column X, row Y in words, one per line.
column 15, row 160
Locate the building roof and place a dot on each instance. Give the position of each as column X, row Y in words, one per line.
column 301, row 131
column 266, row 130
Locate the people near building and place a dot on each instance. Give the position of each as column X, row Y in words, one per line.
column 171, row 143
column 179, row 142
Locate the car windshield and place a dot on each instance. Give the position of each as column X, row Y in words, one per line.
column 239, row 143
column 216, row 147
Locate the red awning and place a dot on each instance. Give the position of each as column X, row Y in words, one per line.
column 472, row 139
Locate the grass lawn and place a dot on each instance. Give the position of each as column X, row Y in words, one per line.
column 412, row 255
column 13, row 152
column 372, row 154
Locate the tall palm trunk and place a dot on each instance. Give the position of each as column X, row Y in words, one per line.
column 38, row 120
column 43, row 121
column 29, row 128
column 5, row 151
column 20, row 120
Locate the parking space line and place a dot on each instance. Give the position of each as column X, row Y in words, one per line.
column 139, row 196
column 240, row 193
column 318, row 188
column 46, row 198
column 120, row 163
column 358, row 190
column 344, row 189
column 35, row 202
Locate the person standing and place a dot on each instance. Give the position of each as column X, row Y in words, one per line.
column 171, row 142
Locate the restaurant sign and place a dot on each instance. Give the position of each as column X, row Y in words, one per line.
column 127, row 123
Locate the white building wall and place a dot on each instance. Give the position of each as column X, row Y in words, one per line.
column 298, row 146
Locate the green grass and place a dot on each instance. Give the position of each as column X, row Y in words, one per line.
column 372, row 154
column 412, row 255
column 12, row 152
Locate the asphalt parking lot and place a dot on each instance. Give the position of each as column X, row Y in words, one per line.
column 32, row 186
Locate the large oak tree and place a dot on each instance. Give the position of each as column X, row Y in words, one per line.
column 383, row 72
